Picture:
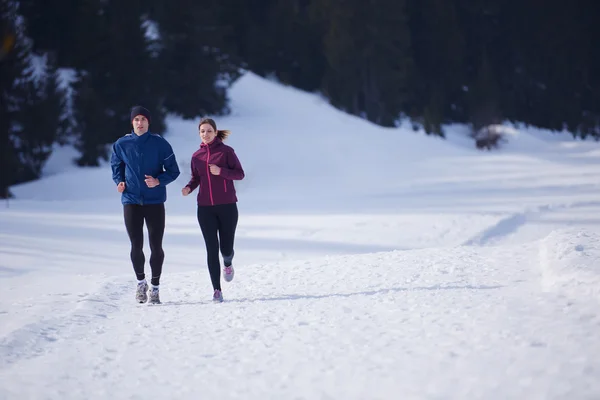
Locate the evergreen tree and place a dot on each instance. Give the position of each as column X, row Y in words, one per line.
column 588, row 12
column 55, row 27
column 439, row 50
column 279, row 39
column 367, row 46
column 119, row 72
column 39, row 122
column 483, row 105
column 31, row 105
column 196, row 66
column 11, row 66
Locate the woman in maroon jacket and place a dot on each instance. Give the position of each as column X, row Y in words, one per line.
column 214, row 168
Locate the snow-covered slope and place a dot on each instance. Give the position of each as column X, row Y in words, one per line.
column 371, row 263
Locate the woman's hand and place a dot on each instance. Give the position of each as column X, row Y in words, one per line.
column 215, row 170
column 185, row 191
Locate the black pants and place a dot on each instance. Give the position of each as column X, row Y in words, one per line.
column 222, row 220
column 154, row 215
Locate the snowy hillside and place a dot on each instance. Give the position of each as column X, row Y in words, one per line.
column 371, row 263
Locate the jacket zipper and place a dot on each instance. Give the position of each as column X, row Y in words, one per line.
column 225, row 184
column 208, row 176
column 142, row 186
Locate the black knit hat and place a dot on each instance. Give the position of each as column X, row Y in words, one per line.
column 139, row 110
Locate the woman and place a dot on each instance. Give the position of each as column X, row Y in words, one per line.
column 214, row 168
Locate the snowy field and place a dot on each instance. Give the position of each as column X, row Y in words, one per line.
column 371, row 263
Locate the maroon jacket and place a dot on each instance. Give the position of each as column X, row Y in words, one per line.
column 215, row 189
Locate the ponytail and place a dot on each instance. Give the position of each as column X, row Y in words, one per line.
column 223, row 133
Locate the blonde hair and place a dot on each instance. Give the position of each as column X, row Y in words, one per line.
column 221, row 134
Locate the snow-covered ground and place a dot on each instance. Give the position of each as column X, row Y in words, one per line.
column 371, row 263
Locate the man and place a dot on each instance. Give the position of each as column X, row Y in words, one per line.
column 143, row 164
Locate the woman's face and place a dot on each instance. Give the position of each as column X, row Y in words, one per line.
column 207, row 133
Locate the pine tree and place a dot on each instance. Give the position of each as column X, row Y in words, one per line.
column 196, row 64
column 55, row 27
column 283, row 41
column 367, row 46
column 31, row 107
column 439, row 51
column 119, row 72
column 484, row 109
column 12, row 64
column 40, row 121
column 588, row 12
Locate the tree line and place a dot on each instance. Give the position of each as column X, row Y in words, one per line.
column 71, row 69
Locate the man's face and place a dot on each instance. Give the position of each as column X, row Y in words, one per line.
column 140, row 125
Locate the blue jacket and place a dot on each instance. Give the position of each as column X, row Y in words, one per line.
column 135, row 156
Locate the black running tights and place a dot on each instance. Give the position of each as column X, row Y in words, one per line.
column 154, row 216
column 220, row 219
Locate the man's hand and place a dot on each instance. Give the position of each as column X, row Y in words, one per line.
column 186, row 190
column 151, row 182
column 121, row 187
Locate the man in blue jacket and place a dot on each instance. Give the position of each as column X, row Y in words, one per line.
column 143, row 164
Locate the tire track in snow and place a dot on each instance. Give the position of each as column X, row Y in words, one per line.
column 513, row 222
column 502, row 228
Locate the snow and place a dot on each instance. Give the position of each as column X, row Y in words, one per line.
column 370, row 263
column 570, row 261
